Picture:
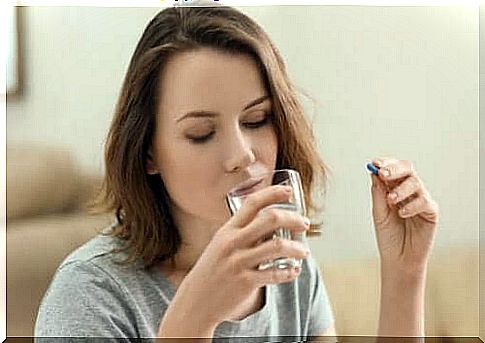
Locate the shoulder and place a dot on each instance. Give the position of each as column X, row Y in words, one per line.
column 88, row 271
column 99, row 256
column 97, row 249
column 92, row 271
column 87, row 286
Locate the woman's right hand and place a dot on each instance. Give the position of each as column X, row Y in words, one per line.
column 226, row 274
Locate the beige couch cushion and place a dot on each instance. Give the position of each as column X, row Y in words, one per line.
column 40, row 179
column 35, row 248
column 451, row 297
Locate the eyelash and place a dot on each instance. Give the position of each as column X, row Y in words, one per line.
column 255, row 125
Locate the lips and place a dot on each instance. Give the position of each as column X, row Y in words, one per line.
column 247, row 187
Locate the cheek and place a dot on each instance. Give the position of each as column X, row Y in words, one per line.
column 185, row 169
column 181, row 170
column 268, row 148
column 188, row 176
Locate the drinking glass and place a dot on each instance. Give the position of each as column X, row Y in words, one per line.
column 286, row 177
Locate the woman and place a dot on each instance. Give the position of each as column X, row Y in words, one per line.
column 206, row 103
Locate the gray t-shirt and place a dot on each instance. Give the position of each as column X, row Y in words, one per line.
column 91, row 296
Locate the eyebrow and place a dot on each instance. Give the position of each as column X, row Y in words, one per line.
column 210, row 114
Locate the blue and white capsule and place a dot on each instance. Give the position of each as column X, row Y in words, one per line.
column 373, row 168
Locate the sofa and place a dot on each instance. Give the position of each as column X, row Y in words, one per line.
column 451, row 294
column 46, row 220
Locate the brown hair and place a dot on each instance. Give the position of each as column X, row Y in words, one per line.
column 140, row 200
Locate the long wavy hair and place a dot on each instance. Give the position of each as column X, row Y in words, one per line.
column 140, row 201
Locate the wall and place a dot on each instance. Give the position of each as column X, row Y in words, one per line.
column 395, row 81
column 387, row 81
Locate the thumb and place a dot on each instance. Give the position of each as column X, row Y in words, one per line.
column 380, row 209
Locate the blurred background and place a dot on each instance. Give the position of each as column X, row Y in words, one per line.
column 382, row 81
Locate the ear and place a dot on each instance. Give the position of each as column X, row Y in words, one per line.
column 150, row 166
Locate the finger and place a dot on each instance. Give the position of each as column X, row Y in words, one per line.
column 380, row 210
column 422, row 205
column 393, row 170
column 411, row 208
column 383, row 161
column 273, row 249
column 268, row 221
column 410, row 186
column 256, row 201
column 273, row 276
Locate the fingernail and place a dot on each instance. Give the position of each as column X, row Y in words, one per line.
column 385, row 172
column 306, row 221
column 287, row 189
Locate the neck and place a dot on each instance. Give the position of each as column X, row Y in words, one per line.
column 196, row 233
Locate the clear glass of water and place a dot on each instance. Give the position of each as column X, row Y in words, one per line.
column 286, row 177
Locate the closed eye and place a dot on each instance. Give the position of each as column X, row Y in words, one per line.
column 202, row 139
column 249, row 125
column 257, row 124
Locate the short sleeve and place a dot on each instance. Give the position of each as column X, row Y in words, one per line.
column 84, row 301
column 321, row 316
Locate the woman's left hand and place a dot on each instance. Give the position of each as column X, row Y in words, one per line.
column 405, row 225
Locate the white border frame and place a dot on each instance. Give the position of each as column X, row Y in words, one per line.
column 5, row 9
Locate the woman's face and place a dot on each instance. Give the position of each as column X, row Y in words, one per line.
column 213, row 130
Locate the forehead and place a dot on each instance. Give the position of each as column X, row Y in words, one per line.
column 208, row 79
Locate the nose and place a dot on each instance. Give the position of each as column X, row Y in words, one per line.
column 239, row 153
